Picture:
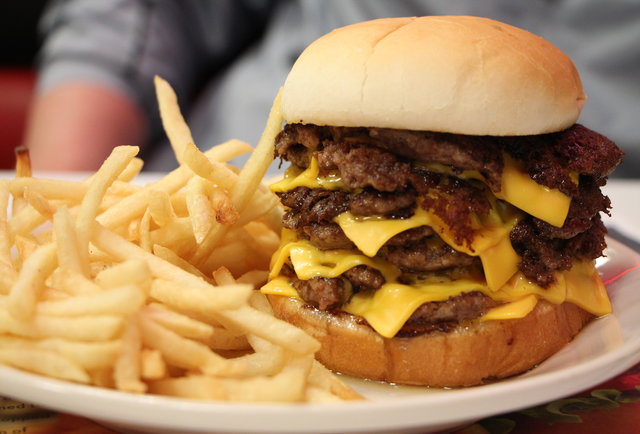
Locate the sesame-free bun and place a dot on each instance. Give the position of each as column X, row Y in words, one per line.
column 472, row 353
column 457, row 74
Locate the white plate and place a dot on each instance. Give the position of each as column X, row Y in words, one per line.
column 605, row 348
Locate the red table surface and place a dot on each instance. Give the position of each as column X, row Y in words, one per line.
column 612, row 407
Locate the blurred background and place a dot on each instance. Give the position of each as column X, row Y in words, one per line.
column 226, row 59
column 19, row 43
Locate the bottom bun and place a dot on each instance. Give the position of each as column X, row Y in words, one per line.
column 472, row 353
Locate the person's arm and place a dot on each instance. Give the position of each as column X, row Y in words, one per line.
column 95, row 82
column 95, row 86
column 74, row 126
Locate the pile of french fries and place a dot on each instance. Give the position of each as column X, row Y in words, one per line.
column 151, row 289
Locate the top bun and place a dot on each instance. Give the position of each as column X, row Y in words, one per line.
column 463, row 75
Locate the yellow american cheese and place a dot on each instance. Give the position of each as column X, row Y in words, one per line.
column 518, row 189
column 389, row 307
column 585, row 289
column 491, row 243
column 513, row 310
column 547, row 204
column 309, row 177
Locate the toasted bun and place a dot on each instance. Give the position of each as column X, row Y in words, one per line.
column 463, row 75
column 471, row 354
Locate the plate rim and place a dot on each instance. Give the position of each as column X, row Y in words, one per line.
column 91, row 400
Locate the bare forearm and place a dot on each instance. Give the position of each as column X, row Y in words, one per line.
column 74, row 126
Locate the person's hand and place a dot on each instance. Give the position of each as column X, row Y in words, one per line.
column 74, row 126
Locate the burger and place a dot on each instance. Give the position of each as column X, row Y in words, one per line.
column 442, row 206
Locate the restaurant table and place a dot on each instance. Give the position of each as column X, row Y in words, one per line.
column 612, row 407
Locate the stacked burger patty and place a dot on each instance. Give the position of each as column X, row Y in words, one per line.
column 385, row 174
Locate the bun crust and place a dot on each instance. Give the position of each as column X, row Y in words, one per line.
column 471, row 354
column 464, row 75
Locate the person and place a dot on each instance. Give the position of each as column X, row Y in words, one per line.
column 227, row 58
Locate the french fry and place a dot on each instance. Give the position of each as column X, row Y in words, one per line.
column 177, row 235
column 266, row 239
column 259, row 301
column 23, row 162
column 119, row 189
column 199, row 208
column 221, row 204
column 219, row 298
column 219, row 257
column 179, row 203
column 268, row 359
column 72, row 282
column 8, row 277
column 200, row 298
column 88, row 355
column 213, row 171
column 179, row 351
column 160, row 207
column 132, row 271
column 261, row 158
column 127, row 368
column 53, row 294
column 144, row 231
column 68, row 249
column 104, row 177
column 286, row 386
column 83, row 328
column 181, row 324
column 26, row 245
column 5, row 237
column 53, row 189
column 192, row 386
column 25, row 222
column 324, row 379
column 23, row 296
column 223, row 276
column 132, row 170
column 152, row 365
column 249, row 178
column 133, row 206
column 276, row 331
column 124, row 300
column 103, row 377
column 45, row 362
column 318, row 395
column 39, row 203
column 222, row 338
column 174, row 124
column 170, row 256
column 99, row 282
column 254, row 277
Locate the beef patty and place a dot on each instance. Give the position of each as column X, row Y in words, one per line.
column 384, row 175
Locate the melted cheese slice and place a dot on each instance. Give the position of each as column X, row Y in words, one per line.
column 389, row 307
column 512, row 310
column 517, row 188
column 309, row 177
column 491, row 243
column 547, row 204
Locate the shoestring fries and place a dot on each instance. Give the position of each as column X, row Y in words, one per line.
column 151, row 288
